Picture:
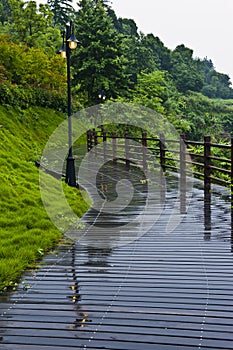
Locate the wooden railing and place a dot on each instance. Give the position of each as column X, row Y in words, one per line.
column 207, row 164
column 208, row 161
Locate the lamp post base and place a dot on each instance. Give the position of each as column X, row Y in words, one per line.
column 70, row 172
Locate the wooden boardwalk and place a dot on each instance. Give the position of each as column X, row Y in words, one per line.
column 164, row 290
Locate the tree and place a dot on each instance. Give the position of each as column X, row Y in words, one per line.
column 28, row 22
column 99, row 62
column 30, row 66
column 5, row 11
column 62, row 10
column 151, row 90
column 140, row 58
column 216, row 85
column 4, row 75
column 158, row 50
column 32, row 25
column 185, row 70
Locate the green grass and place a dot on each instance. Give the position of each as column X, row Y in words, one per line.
column 26, row 232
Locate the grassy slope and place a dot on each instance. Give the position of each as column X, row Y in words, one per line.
column 25, row 229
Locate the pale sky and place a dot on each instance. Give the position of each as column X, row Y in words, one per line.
column 206, row 26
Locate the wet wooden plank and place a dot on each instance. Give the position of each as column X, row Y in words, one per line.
column 130, row 331
column 119, row 341
column 127, row 325
column 99, row 346
column 168, row 292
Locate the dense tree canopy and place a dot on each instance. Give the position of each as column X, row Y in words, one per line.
column 113, row 58
column 157, row 50
column 63, row 11
column 32, row 25
column 27, row 21
column 5, row 11
column 100, row 62
column 185, row 70
column 30, row 66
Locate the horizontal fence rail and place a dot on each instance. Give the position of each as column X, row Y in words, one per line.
column 207, row 164
column 205, row 160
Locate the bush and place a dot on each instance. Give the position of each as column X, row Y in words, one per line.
column 26, row 96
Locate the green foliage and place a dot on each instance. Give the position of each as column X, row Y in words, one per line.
column 157, row 50
column 26, row 96
column 151, row 90
column 113, row 57
column 62, row 10
column 31, row 66
column 26, row 232
column 4, row 75
column 215, row 84
column 28, row 77
column 30, row 24
column 223, row 162
column 113, row 52
column 5, row 11
column 206, row 116
column 27, row 22
column 100, row 62
column 218, row 86
column 185, row 70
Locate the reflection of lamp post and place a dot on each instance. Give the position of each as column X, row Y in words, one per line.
column 69, row 43
column 102, row 98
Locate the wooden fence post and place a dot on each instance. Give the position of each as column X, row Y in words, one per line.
column 231, row 189
column 95, row 139
column 207, row 186
column 207, row 164
column 89, row 140
column 182, row 175
column 104, row 143
column 162, row 152
column 114, row 148
column 144, row 151
column 127, row 162
column 87, row 134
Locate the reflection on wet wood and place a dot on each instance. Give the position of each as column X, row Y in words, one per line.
column 207, row 215
column 163, row 290
column 183, row 189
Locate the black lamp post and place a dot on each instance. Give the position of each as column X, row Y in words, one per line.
column 102, row 98
column 69, row 43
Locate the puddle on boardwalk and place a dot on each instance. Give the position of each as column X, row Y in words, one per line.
column 91, row 274
column 214, row 213
column 126, row 204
